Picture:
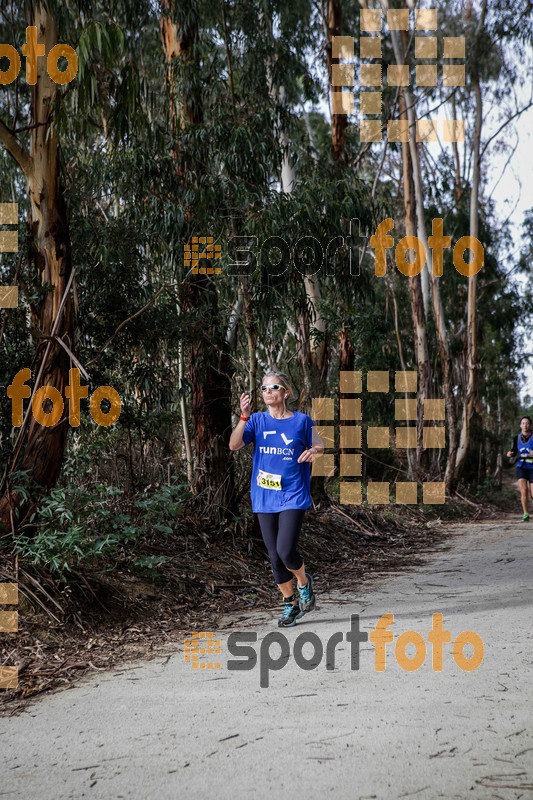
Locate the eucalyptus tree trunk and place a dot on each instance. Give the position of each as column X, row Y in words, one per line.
column 316, row 361
column 184, row 414
column 338, row 121
column 40, row 449
column 251, row 336
column 209, row 363
column 472, row 355
column 416, row 300
column 209, row 370
column 438, row 309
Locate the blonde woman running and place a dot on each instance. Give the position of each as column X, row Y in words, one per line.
column 285, row 443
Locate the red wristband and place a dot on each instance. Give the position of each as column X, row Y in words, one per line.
column 244, row 419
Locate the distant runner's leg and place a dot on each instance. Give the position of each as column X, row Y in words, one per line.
column 522, row 483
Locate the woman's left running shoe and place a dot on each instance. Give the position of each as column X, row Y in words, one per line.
column 525, row 517
column 290, row 614
column 307, row 596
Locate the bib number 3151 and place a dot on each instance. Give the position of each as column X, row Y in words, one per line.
column 268, row 480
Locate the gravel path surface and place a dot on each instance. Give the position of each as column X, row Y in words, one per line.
column 162, row 730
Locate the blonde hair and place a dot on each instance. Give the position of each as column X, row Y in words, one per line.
column 283, row 379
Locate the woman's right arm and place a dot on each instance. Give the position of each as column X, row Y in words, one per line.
column 235, row 440
column 514, row 450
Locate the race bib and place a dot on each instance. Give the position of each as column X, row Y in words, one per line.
column 267, row 480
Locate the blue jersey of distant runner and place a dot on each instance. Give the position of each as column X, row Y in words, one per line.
column 525, row 451
column 278, row 481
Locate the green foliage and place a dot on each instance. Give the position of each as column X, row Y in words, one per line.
column 140, row 180
column 76, row 526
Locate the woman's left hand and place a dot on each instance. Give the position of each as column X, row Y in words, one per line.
column 307, row 455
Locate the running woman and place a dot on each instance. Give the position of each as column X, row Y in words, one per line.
column 285, row 443
column 523, row 446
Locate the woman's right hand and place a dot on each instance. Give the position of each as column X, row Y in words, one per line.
column 509, row 454
column 246, row 409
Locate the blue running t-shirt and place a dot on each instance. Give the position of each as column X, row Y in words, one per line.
column 278, row 481
column 525, row 451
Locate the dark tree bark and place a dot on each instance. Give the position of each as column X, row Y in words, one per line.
column 338, row 121
column 209, row 376
column 209, row 364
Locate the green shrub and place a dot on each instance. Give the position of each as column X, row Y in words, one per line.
column 73, row 526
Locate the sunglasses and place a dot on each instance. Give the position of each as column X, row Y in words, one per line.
column 274, row 386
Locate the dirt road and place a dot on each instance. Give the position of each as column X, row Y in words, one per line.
column 163, row 730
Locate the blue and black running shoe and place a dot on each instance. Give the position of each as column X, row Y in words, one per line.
column 307, row 596
column 290, row 614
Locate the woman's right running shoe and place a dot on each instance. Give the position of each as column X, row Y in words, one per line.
column 525, row 517
column 307, row 596
column 290, row 614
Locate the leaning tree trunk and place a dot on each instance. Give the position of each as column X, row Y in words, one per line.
column 40, row 449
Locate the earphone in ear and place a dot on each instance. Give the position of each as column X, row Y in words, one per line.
column 286, row 395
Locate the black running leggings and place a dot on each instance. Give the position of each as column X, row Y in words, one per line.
column 280, row 535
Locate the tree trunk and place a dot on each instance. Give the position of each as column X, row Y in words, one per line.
column 311, row 356
column 472, row 357
column 338, row 121
column 184, row 414
column 346, row 351
column 418, row 315
column 317, row 321
column 251, row 335
column 44, row 446
column 444, row 349
column 305, row 361
column 209, row 371
column 209, row 367
column 177, row 45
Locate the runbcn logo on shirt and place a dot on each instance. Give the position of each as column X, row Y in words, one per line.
column 276, row 451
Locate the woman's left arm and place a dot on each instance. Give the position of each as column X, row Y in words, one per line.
column 316, row 449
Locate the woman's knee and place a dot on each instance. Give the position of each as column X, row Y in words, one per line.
column 275, row 559
column 291, row 558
